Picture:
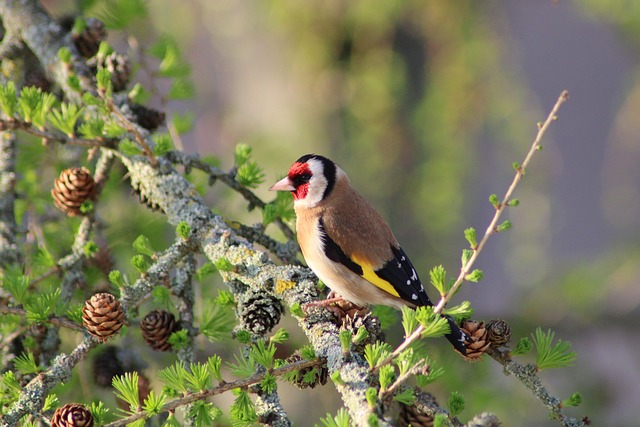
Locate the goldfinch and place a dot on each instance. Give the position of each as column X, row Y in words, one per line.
column 348, row 244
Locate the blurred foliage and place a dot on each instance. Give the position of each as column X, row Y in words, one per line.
column 405, row 91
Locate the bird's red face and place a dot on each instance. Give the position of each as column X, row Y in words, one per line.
column 299, row 176
column 307, row 180
column 296, row 181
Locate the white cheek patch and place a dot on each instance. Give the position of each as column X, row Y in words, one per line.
column 317, row 184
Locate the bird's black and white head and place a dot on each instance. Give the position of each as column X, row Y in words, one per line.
column 310, row 179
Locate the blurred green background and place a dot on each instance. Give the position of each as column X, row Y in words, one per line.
column 426, row 105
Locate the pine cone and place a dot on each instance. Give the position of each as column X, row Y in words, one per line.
column 260, row 313
column 102, row 316
column 72, row 188
column 103, row 260
column 344, row 309
column 370, row 323
column 478, row 341
column 498, row 332
column 146, row 117
column 88, row 41
column 157, row 327
column 411, row 416
column 107, row 365
column 319, row 375
column 119, row 67
column 72, row 415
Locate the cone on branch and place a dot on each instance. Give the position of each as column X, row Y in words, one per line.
column 102, row 316
column 157, row 326
column 344, row 309
column 72, row 415
column 498, row 332
column 478, row 342
column 410, row 416
column 88, row 40
column 106, row 365
column 119, row 67
column 308, row 377
column 72, row 188
column 367, row 320
column 146, row 117
column 260, row 313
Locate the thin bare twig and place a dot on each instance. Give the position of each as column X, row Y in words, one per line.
column 491, row 229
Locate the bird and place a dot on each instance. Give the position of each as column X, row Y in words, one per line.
column 349, row 245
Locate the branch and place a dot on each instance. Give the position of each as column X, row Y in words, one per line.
column 527, row 374
column 33, row 395
column 28, row 21
column 229, row 179
column 491, row 229
column 9, row 248
column 62, row 322
column 221, row 388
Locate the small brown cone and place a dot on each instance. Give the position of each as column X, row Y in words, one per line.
column 304, row 377
column 478, row 341
column 72, row 415
column 88, row 41
column 146, row 117
column 411, row 416
column 157, row 326
column 260, row 313
column 119, row 67
column 498, row 332
column 106, row 365
column 72, row 188
column 371, row 323
column 102, row 316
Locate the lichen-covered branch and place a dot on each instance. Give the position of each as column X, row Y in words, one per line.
column 528, row 375
column 34, row 394
column 193, row 161
column 28, row 21
column 9, row 248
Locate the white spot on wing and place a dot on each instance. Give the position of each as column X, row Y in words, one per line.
column 408, row 282
column 414, row 297
column 414, row 275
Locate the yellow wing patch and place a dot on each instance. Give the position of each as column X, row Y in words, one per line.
column 370, row 275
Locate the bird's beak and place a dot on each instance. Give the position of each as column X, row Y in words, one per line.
column 283, row 185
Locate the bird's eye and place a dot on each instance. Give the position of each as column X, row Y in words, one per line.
column 305, row 177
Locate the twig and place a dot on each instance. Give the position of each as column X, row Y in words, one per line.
column 491, row 229
column 62, row 322
column 10, row 252
column 222, row 388
column 15, row 124
column 32, row 397
column 134, row 129
column 228, row 178
column 527, row 374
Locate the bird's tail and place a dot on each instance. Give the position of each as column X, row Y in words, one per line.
column 456, row 337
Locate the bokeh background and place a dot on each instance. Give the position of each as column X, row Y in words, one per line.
column 426, row 105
